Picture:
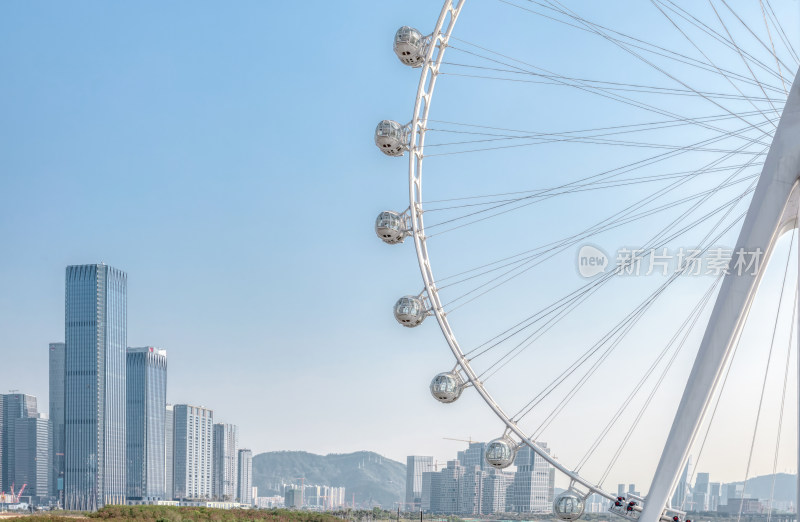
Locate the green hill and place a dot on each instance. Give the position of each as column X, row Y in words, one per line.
column 373, row 479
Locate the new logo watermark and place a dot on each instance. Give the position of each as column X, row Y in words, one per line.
column 591, row 261
column 713, row 261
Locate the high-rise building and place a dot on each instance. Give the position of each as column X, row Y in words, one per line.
column 713, row 496
column 245, row 479
column 169, row 448
column 427, row 489
column 32, row 461
column 293, row 497
column 193, row 450
column 415, row 467
column 534, row 482
column 471, row 491
column 146, row 432
column 57, row 354
column 495, row 489
column 94, row 383
column 679, row 498
column 700, row 493
column 14, row 406
column 226, row 442
column 445, row 490
column 473, row 456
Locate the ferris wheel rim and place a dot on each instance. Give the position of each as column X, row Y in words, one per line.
column 428, row 75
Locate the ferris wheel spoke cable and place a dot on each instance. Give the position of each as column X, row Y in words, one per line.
column 593, row 188
column 601, row 29
column 766, row 372
column 550, row 137
column 619, row 337
column 611, row 86
column 579, row 296
column 783, row 404
column 650, row 63
column 525, row 267
column 595, row 185
column 683, row 120
column 577, row 299
column 555, row 137
column 645, row 46
column 687, row 326
column 524, row 201
column 578, row 140
column 769, row 49
column 665, row 91
column 574, row 239
column 687, row 37
column 609, row 174
column 629, row 167
column 772, row 47
column 644, row 407
column 785, row 39
column 520, row 326
column 738, row 49
column 603, row 92
column 708, row 30
column 570, row 370
column 549, row 389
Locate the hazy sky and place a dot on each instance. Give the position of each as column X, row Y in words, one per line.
column 222, row 155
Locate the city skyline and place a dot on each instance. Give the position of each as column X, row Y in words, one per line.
column 188, row 153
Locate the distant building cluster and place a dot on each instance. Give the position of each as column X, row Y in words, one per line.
column 707, row 496
column 111, row 437
column 469, row 486
column 313, row 497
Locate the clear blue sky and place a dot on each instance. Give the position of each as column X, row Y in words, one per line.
column 222, row 156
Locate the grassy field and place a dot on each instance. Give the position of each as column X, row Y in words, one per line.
column 185, row 514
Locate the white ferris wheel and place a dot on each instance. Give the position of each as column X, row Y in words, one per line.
column 692, row 138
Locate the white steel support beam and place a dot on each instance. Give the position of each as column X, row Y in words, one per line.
column 772, row 212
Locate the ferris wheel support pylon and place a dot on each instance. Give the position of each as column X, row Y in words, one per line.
column 773, row 211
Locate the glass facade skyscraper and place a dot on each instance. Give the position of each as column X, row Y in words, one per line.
column 415, row 467
column 32, row 463
column 226, row 442
column 94, row 381
column 534, row 482
column 169, row 448
column 146, row 412
column 13, row 406
column 57, row 353
column 245, row 494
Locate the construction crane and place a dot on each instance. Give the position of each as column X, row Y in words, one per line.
column 470, row 441
column 15, row 496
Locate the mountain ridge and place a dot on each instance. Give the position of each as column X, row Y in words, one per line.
column 367, row 477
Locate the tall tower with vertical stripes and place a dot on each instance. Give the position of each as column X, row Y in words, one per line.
column 94, row 386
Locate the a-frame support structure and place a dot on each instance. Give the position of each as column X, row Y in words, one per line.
column 773, row 211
